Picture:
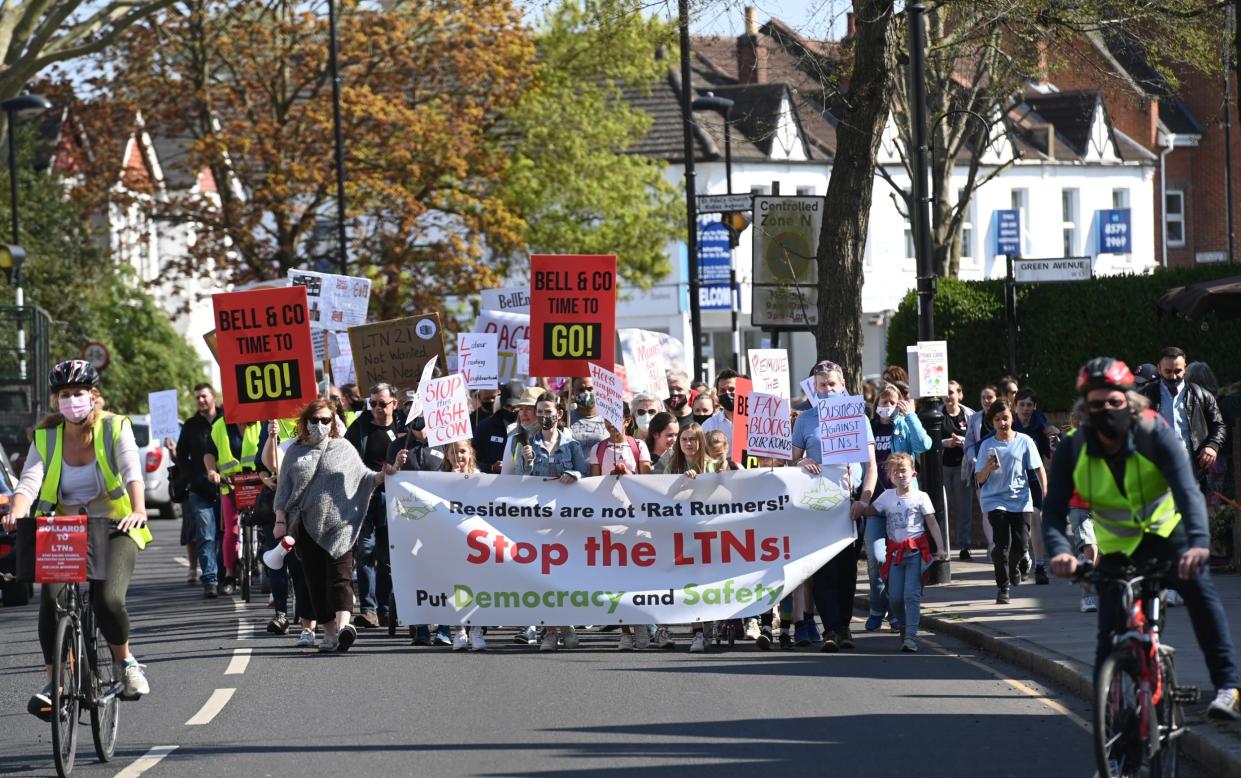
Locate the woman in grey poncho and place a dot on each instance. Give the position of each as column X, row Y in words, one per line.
column 321, row 498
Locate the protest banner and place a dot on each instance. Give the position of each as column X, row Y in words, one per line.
column 510, row 328
column 394, row 351
column 932, row 375
column 165, row 416
column 511, row 300
column 645, row 362
column 478, row 359
column 609, row 396
column 335, row 302
column 488, row 550
column 769, row 370
column 341, row 353
column 266, row 359
column 843, row 428
column 446, row 409
column 61, row 548
column 741, row 419
column 572, row 313
column 770, row 432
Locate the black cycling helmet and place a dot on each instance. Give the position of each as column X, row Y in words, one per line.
column 1104, row 373
column 73, row 372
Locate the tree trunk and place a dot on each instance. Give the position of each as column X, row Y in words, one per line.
column 846, row 218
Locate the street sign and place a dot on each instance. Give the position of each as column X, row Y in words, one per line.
column 1114, row 231
column 1042, row 271
column 714, row 265
column 97, row 354
column 1008, row 232
column 724, row 203
column 786, row 270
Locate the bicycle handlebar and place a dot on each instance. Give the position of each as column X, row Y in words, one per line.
column 1152, row 568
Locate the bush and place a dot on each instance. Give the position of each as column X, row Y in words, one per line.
column 1063, row 325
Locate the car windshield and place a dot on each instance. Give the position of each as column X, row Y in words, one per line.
column 142, row 435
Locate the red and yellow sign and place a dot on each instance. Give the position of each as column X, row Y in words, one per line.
column 572, row 314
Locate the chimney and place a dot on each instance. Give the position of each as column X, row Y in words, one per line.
column 1051, row 140
column 751, row 52
column 850, row 25
column 751, row 21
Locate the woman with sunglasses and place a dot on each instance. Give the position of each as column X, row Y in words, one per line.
column 645, row 407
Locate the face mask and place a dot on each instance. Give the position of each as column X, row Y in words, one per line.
column 547, row 422
column 643, row 421
column 676, row 402
column 701, row 418
column 902, row 481
column 317, row 432
column 357, row 405
column 531, row 428
column 827, row 395
column 75, row 409
column 506, row 416
column 1111, row 422
column 1171, row 386
column 726, row 401
column 885, row 411
column 585, row 399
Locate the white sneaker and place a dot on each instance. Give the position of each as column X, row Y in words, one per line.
column 551, row 641
column 1172, row 599
column 700, row 643
column 626, row 642
column 1090, row 603
column 1227, row 705
column 460, row 640
column 306, row 639
column 477, row 641
column 663, row 639
column 569, row 636
column 133, row 680
column 642, row 636
column 751, row 629
column 329, row 644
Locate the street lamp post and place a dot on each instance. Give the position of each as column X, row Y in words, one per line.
column 691, row 207
column 21, row 105
column 339, row 137
column 724, row 107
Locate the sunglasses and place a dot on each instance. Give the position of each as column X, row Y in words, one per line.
column 1098, row 405
column 826, row 367
column 321, row 420
column 648, row 412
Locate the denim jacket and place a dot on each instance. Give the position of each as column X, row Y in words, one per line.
column 566, row 458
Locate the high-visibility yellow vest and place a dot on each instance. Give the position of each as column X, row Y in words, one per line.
column 350, row 416
column 49, row 442
column 227, row 463
column 288, row 429
column 1120, row 520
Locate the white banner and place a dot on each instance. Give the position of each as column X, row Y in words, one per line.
column 165, row 418
column 646, row 364
column 609, row 398
column 511, row 300
column 478, row 359
column 510, row 327
column 770, row 433
column 508, row 550
column 335, row 302
column 769, row 370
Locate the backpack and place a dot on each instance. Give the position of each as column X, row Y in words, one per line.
column 601, row 449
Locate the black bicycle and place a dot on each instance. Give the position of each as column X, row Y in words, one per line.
column 245, row 488
column 1138, row 711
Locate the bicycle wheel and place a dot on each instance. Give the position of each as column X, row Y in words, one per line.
column 1166, row 762
column 102, row 697
column 66, row 685
column 247, row 559
column 1119, row 745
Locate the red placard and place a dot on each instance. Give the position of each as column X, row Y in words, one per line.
column 265, row 353
column 60, row 546
column 572, row 314
column 741, row 419
column 246, row 488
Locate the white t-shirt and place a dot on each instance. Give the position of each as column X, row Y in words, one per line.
column 905, row 516
column 624, row 451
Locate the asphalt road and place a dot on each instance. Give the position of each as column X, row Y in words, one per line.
column 387, row 708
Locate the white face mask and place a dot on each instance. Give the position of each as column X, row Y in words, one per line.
column 317, row 431
column 902, row 481
column 885, row 411
column 644, row 420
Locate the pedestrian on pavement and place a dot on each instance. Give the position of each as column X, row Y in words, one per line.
column 689, row 456
column 957, row 479
column 371, row 435
column 322, row 496
column 459, row 458
column 1029, row 420
column 704, row 407
column 84, row 462
column 231, row 450
column 678, row 402
column 726, row 398
column 409, row 447
column 1189, row 409
column 835, row 584
column 1160, row 515
column 588, row 428
column 645, row 407
column 527, row 426
column 977, row 430
column 620, row 454
column 203, row 503
column 661, row 438
column 1005, row 461
column 908, row 517
column 275, row 444
column 491, row 435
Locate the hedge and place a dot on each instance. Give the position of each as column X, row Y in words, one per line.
column 1063, row 325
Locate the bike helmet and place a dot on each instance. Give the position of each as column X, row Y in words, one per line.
column 1104, row 373
column 73, row 372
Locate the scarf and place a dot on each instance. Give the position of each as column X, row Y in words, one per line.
column 326, row 489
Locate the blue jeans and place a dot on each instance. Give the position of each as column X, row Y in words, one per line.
column 876, row 551
column 206, row 531
column 905, row 591
column 373, row 557
column 279, row 578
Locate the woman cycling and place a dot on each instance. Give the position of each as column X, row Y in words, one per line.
column 84, row 461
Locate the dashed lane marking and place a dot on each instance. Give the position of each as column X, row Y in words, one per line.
column 237, row 665
column 146, row 761
column 239, row 604
column 243, row 629
column 181, row 561
column 211, row 708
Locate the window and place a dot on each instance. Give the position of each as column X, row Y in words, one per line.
column 967, row 227
column 902, row 205
column 1068, row 218
column 1020, row 202
column 1120, row 199
column 805, row 191
column 1174, row 217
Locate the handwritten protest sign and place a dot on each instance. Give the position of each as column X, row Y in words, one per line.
column 572, row 313
column 165, row 417
column 645, row 362
column 741, row 419
column 341, row 353
column 512, row 300
column 446, row 409
column 609, row 395
column 769, row 370
column 335, row 302
column 478, row 359
column 932, row 368
column 510, row 328
column 394, row 351
column 266, row 359
column 842, row 429
column 771, row 427
column 523, row 357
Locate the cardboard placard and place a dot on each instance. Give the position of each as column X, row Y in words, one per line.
column 741, row 419
column 165, row 417
column 266, row 358
column 60, row 549
column 769, row 370
column 572, row 313
column 511, row 329
column 340, row 352
column 246, row 488
column 446, row 409
column 932, row 368
column 646, row 363
column 335, row 302
column 523, row 358
column 842, row 429
column 609, row 396
column 770, row 432
column 395, row 351
column 479, row 359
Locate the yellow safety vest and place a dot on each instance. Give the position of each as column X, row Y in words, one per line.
column 227, row 463
column 1120, row 520
column 288, row 429
column 106, row 433
column 350, row 416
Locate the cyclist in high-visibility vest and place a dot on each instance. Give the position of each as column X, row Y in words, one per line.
column 1134, row 474
column 234, row 449
column 84, row 461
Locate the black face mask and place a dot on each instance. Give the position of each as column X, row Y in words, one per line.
column 586, row 399
column 547, row 422
column 507, row 416
column 676, row 402
column 701, row 418
column 1111, row 422
column 357, row 405
column 726, row 401
column 1171, row 386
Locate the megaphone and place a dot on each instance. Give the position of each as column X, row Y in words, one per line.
column 275, row 558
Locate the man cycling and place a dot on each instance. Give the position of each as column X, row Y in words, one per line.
column 1134, row 473
column 84, row 461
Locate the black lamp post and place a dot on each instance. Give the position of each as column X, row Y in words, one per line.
column 339, row 136
column 724, row 107
column 15, row 108
column 691, row 207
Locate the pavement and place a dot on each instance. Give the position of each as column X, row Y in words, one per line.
column 229, row 699
column 1044, row 631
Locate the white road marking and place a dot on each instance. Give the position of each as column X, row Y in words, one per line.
column 1025, row 689
column 239, row 604
column 181, row 561
column 243, row 629
column 214, row 704
column 237, row 665
column 146, row 761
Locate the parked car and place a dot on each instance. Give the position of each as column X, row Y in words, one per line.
column 155, row 460
column 11, row 592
